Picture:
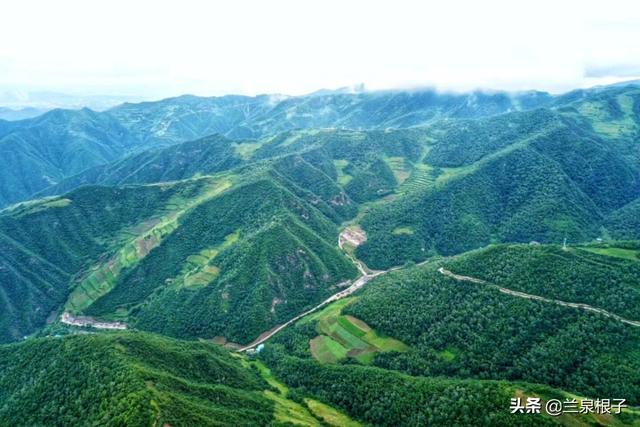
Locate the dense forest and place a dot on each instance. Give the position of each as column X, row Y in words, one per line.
column 217, row 219
column 469, row 330
column 130, row 379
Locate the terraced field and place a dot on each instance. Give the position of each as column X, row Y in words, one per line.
column 344, row 337
column 198, row 269
column 400, row 167
column 606, row 123
column 102, row 277
column 422, row 177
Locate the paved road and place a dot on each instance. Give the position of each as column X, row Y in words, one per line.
column 359, row 283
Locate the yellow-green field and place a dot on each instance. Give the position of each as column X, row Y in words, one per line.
column 343, row 177
column 343, row 336
column 245, row 150
column 403, row 230
column 329, row 415
column 198, row 270
column 420, row 178
column 400, row 167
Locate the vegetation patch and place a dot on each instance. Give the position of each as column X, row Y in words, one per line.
column 198, row 270
column 286, row 411
column 400, row 167
column 449, row 354
column 629, row 254
column 348, row 337
column 403, row 230
column 343, row 177
column 330, row 415
column 606, row 123
column 245, row 150
column 422, row 177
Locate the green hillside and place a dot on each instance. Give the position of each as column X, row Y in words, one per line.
column 128, row 379
column 40, row 152
column 624, row 223
column 47, row 243
column 464, row 329
column 389, row 398
column 284, row 260
column 37, row 153
column 221, row 219
column 532, row 176
column 270, row 252
column 573, row 275
column 277, row 201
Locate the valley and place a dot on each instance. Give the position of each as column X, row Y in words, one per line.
column 336, row 259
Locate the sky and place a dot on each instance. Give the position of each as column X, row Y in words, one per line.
column 165, row 48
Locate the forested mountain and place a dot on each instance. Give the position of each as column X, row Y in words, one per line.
column 453, row 186
column 128, row 379
column 469, row 328
column 492, row 334
column 539, row 175
column 39, row 152
column 218, row 219
column 264, row 239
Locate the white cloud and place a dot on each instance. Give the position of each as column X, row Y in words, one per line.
column 163, row 48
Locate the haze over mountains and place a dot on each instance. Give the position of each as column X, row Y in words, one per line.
column 217, row 219
column 80, row 139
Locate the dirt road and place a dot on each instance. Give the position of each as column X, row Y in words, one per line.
column 519, row 294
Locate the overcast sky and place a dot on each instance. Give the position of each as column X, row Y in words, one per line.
column 159, row 48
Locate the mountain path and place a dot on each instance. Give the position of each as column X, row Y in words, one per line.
column 525, row 295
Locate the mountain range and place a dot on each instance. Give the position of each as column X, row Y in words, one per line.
column 472, row 247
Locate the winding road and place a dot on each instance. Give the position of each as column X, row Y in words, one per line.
column 525, row 295
column 357, row 284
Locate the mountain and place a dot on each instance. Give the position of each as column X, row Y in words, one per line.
column 46, row 243
column 456, row 185
column 128, row 379
column 176, row 120
column 269, row 253
column 84, row 138
column 36, row 153
column 240, row 117
column 48, row 100
column 476, row 316
column 297, row 223
column 539, row 175
column 20, row 113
